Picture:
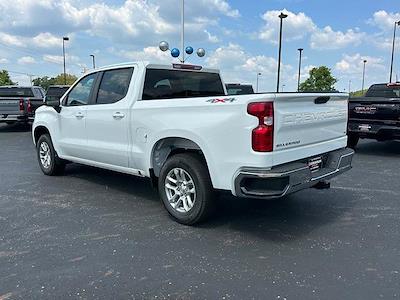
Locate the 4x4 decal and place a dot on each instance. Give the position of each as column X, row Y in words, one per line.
column 222, row 100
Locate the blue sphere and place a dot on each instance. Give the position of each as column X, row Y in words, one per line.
column 175, row 52
column 189, row 50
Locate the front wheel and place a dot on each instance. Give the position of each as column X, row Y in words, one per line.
column 185, row 189
column 49, row 162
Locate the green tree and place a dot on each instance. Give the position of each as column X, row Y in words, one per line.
column 46, row 81
column 5, row 78
column 320, row 80
column 70, row 79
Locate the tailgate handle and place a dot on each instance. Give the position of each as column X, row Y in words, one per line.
column 322, row 100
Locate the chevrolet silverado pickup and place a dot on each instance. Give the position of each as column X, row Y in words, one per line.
column 18, row 103
column 176, row 125
column 375, row 116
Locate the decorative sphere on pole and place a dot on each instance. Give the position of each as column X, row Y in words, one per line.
column 201, row 52
column 164, row 46
column 175, row 52
column 189, row 50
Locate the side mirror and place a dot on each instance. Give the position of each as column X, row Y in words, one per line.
column 53, row 102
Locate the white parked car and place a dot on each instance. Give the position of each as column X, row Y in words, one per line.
column 175, row 125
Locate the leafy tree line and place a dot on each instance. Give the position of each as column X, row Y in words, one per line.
column 44, row 81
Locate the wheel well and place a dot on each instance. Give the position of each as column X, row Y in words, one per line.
column 39, row 131
column 168, row 147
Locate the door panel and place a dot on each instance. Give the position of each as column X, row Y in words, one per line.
column 73, row 141
column 107, row 120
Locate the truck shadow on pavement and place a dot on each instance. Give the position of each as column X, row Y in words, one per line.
column 284, row 219
column 15, row 127
column 281, row 220
column 371, row 147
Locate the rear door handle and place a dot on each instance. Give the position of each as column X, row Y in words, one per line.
column 79, row 115
column 118, row 116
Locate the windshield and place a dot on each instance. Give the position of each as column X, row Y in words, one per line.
column 15, row 92
column 239, row 89
column 383, row 90
column 56, row 91
column 169, row 84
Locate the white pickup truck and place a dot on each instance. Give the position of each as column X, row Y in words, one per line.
column 175, row 125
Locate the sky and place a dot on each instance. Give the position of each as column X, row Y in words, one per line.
column 240, row 37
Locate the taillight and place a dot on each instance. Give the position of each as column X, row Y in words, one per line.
column 21, row 104
column 262, row 139
column 29, row 107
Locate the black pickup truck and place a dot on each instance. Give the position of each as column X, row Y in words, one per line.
column 239, row 89
column 18, row 103
column 375, row 116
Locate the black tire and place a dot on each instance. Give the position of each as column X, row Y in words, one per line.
column 352, row 140
column 203, row 204
column 56, row 166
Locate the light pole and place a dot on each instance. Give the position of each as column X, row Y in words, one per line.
column 349, row 86
column 298, row 81
column 93, row 61
column 281, row 17
column 258, row 75
column 65, row 38
column 183, row 31
column 363, row 79
column 283, row 88
column 394, row 44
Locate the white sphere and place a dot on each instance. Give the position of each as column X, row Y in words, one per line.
column 201, row 52
column 164, row 46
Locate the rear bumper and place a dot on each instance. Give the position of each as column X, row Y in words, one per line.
column 15, row 118
column 292, row 177
column 375, row 131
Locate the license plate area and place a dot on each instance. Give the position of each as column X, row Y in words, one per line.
column 364, row 127
column 315, row 164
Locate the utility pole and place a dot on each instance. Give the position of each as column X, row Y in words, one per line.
column 183, row 32
column 258, row 75
column 281, row 17
column 349, row 86
column 394, row 44
column 298, row 81
column 363, row 78
column 93, row 61
column 65, row 38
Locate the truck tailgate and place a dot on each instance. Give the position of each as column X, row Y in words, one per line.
column 381, row 109
column 9, row 106
column 314, row 123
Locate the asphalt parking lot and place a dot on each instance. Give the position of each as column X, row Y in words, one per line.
column 97, row 234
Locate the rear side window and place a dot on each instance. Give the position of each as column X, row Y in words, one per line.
column 169, row 84
column 382, row 90
column 114, row 85
column 16, row 92
column 239, row 89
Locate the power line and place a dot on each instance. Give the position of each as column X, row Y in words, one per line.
column 37, row 55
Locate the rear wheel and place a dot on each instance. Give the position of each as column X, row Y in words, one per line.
column 352, row 140
column 185, row 188
column 49, row 162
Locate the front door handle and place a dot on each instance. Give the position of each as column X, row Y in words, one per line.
column 118, row 116
column 79, row 115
